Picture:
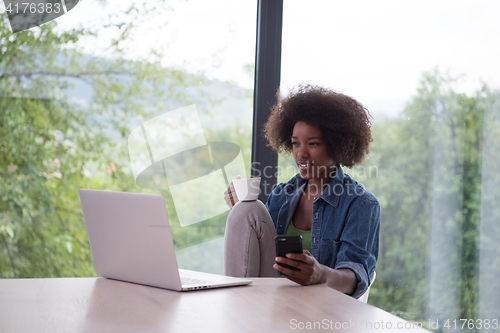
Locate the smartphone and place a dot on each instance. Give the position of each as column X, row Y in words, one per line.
column 288, row 244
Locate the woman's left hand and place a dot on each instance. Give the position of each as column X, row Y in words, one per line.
column 310, row 270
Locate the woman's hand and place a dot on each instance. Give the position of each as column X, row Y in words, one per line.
column 311, row 271
column 230, row 195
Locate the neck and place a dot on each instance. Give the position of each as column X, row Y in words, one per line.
column 316, row 186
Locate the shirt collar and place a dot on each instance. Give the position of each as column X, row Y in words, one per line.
column 334, row 188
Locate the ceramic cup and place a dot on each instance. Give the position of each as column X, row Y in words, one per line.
column 247, row 189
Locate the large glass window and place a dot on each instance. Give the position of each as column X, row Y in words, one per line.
column 429, row 75
column 111, row 96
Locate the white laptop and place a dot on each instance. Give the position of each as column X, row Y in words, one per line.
column 130, row 239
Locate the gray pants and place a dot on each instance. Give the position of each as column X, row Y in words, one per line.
column 249, row 249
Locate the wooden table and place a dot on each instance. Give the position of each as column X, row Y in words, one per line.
column 103, row 305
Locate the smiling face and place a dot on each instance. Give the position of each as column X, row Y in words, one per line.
column 311, row 152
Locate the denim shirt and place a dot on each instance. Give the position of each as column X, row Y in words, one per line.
column 345, row 223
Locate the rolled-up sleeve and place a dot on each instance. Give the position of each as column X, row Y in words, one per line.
column 360, row 243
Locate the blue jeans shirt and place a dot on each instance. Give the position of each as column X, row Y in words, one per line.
column 345, row 223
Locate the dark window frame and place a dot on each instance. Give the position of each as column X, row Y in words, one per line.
column 267, row 80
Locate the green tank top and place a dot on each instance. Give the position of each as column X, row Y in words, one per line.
column 306, row 236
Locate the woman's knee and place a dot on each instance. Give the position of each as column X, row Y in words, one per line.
column 249, row 211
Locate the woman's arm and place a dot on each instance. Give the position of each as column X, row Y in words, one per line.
column 343, row 280
column 358, row 251
column 312, row 272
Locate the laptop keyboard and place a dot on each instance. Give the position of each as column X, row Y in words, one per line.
column 189, row 281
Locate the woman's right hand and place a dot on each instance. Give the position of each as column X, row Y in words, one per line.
column 230, row 195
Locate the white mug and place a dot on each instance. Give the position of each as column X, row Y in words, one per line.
column 247, row 189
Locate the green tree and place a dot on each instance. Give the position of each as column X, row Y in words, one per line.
column 429, row 186
column 53, row 141
column 50, row 145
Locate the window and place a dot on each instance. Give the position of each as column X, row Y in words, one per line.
column 428, row 74
column 71, row 99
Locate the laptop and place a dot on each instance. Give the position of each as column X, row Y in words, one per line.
column 130, row 240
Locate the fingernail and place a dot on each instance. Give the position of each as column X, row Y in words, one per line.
column 278, row 259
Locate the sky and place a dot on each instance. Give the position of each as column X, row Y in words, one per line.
column 374, row 51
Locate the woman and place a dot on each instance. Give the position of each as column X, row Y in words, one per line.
column 338, row 218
